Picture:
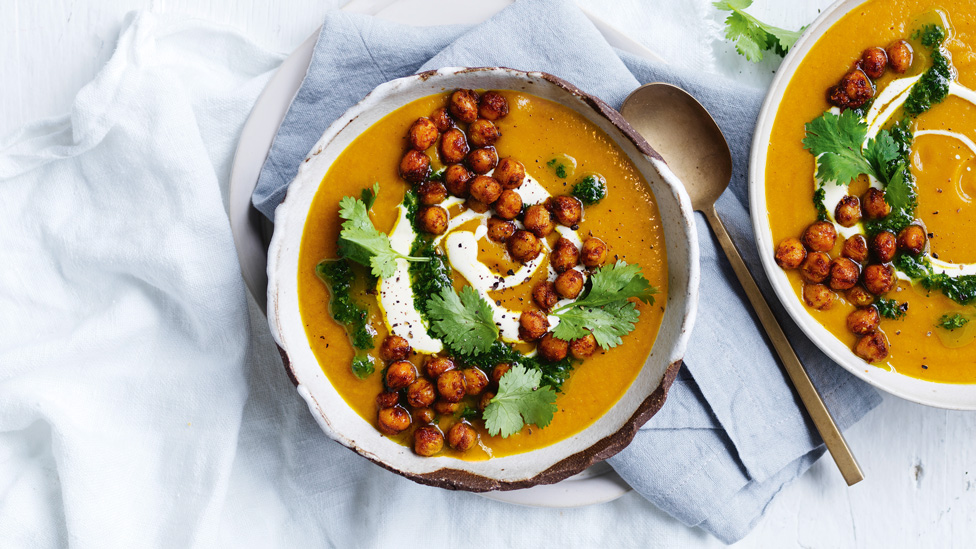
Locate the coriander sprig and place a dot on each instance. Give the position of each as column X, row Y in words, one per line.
column 361, row 242
column 751, row 36
column 520, row 400
column 464, row 322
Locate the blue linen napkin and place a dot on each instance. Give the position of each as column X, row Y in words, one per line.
column 732, row 433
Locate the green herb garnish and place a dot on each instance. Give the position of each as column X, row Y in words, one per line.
column 751, row 36
column 818, row 202
column 369, row 195
column 889, row 308
column 362, row 366
column 521, row 399
column 933, row 86
column 359, row 240
column 961, row 289
column 591, row 189
column 951, row 322
column 338, row 276
column 464, row 322
column 438, row 175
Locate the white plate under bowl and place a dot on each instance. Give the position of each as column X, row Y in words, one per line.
column 942, row 395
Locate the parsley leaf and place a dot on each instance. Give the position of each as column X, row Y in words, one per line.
column 359, row 240
column 520, row 400
column 836, row 142
column 465, row 323
column 951, row 322
column 751, row 36
column 889, row 308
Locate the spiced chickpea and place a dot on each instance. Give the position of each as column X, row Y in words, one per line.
column 493, row 106
column 790, row 253
column 569, row 284
column 464, row 106
column 538, row 220
column 564, row 255
column 422, row 134
column 820, row 236
column 457, row 180
column 863, row 320
column 815, row 267
column 485, row 189
column 878, row 279
column 485, row 400
column 843, row 274
column 912, row 239
column 437, row 365
column 462, row 436
column 393, row 420
column 552, row 348
column 499, row 371
column 453, row 146
column 400, row 374
column 421, row 393
column 855, row 248
column 523, row 246
column 431, row 193
column 433, row 219
column 510, row 173
column 441, row 119
column 394, row 347
column 414, row 166
column 544, row 295
column 837, row 97
column 858, row 87
column 476, row 205
column 428, row 440
column 859, row 297
column 424, row 415
column 532, row 325
column 899, row 56
column 594, row 253
column 818, row 296
column 450, row 385
column 568, row 210
column 883, row 246
column 446, row 408
column 387, row 399
column 482, row 133
column 873, row 204
column 848, row 211
column 583, row 347
column 475, row 381
column 509, row 205
column 872, row 347
column 482, row 161
column 873, row 62
column 499, row 230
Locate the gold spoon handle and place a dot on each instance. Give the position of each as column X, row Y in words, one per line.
column 814, row 404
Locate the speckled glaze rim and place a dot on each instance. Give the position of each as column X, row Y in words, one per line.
column 941, row 395
column 608, row 434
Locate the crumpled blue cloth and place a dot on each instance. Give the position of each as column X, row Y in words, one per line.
column 732, row 432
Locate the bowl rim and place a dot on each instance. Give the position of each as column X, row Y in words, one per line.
column 929, row 393
column 605, row 447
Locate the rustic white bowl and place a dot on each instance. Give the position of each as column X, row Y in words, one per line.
column 943, row 395
column 607, row 435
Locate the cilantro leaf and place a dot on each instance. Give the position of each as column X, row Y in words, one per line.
column 889, row 308
column 951, row 322
column 369, row 195
column 616, row 282
column 465, row 323
column 751, row 36
column 520, row 400
column 359, row 240
column 608, row 323
column 836, row 142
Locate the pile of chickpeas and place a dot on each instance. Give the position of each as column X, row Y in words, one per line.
column 863, row 269
column 856, row 87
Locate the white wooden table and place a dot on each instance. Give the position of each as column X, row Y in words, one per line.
column 920, row 462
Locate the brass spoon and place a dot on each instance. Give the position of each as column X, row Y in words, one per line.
column 676, row 125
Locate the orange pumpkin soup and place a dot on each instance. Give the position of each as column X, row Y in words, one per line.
column 515, row 249
column 869, row 185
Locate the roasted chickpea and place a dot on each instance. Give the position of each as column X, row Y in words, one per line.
column 564, row 255
column 848, row 211
column 552, row 348
column 872, row 347
column 415, row 166
column 500, row 230
column 446, row 408
column 790, row 253
column 421, row 393
column 433, row 219
column 400, row 374
column 843, row 274
column 464, row 106
column 820, row 236
column 859, row 297
column 499, row 371
column 394, row 347
column 878, row 279
column 493, row 106
column 858, row 87
column 873, row 62
column 544, row 295
column 462, row 436
column 883, row 246
column 912, row 239
column 569, row 284
column 485, row 189
column 437, row 365
column 583, row 347
column 523, row 246
column 457, row 179
column 567, row 209
column 428, row 440
column 424, row 415
column 393, row 420
column 485, row 400
column 532, row 325
column 387, row 399
column 538, row 220
column 818, row 296
column 874, row 205
column 422, row 134
column 475, row 381
column 450, row 385
column 815, row 267
column 509, row 205
column 482, row 133
column 431, row 193
column 442, row 120
column 900, row 56
column 453, row 147
column 837, row 97
column 594, row 253
column 863, row 320
column 855, row 248
column 482, row 161
column 509, row 172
